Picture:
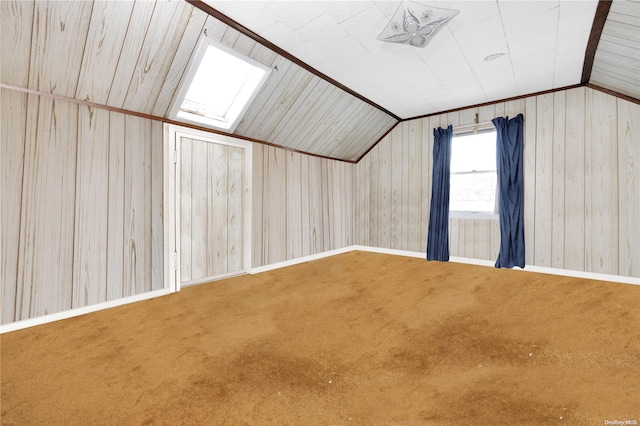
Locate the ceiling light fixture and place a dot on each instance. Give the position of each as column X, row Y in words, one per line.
column 415, row 24
column 493, row 56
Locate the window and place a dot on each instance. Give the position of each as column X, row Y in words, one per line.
column 473, row 174
column 219, row 87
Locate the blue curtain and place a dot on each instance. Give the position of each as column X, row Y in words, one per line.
column 438, row 236
column 509, row 164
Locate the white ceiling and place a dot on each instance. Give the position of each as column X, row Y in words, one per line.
column 543, row 43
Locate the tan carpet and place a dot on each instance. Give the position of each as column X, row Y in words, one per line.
column 355, row 339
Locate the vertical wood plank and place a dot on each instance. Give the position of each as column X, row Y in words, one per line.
column 495, row 239
column 57, row 27
column 91, row 208
column 574, row 180
column 406, row 205
column 257, row 205
column 558, row 171
column 396, row 201
column 157, row 211
column 374, row 191
column 161, row 41
column 216, row 208
column 487, row 113
column 544, row 181
column 333, row 206
column 349, row 215
column 199, row 201
column 141, row 14
column 49, row 186
column 15, row 41
column 137, row 174
column 107, row 30
column 186, row 200
column 324, row 190
column 454, row 238
column 115, row 236
column 275, row 217
column 294, row 205
column 629, row 187
column 602, row 182
column 305, row 206
column 385, row 164
column 177, row 69
column 414, row 186
column 469, row 238
column 513, row 108
column 13, row 116
column 467, row 116
column 425, row 187
column 316, row 236
column 482, row 239
column 530, row 146
column 235, row 209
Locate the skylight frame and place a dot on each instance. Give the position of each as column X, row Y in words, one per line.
column 236, row 111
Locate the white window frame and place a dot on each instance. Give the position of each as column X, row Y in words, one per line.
column 224, row 124
column 466, row 214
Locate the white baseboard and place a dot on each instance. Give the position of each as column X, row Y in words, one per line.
column 18, row 325
column 527, row 268
column 100, row 306
column 303, row 259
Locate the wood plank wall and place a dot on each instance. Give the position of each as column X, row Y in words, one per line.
column 212, row 209
column 82, row 206
column 301, row 205
column 582, row 184
column 82, row 188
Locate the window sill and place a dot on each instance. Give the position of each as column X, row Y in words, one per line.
column 473, row 215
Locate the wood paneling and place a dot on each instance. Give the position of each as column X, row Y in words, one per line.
column 83, row 223
column 15, row 42
column 544, row 180
column 601, row 206
column 581, row 189
column 212, row 209
column 629, row 188
column 104, row 42
column 574, row 181
column 57, row 45
column 91, row 209
column 616, row 64
column 133, row 55
column 162, row 39
column 301, row 205
column 14, row 118
column 45, row 255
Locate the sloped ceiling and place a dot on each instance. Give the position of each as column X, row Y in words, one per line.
column 336, row 89
column 542, row 42
column 617, row 61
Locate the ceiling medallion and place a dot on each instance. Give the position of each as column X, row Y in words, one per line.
column 415, row 24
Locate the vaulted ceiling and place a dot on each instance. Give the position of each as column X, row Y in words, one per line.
column 335, row 89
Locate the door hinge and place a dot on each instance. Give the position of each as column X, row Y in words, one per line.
column 175, row 260
column 175, row 157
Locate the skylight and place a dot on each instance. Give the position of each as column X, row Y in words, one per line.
column 220, row 85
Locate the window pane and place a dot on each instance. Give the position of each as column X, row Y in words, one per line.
column 473, row 192
column 473, row 152
column 473, row 173
column 219, row 86
column 219, row 79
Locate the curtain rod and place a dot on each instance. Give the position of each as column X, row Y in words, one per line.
column 473, row 128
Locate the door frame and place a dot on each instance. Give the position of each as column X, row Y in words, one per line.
column 171, row 190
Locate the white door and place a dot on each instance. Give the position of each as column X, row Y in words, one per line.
column 211, row 206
